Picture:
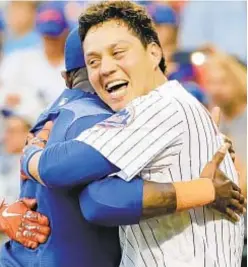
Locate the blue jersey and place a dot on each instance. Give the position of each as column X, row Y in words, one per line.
column 73, row 241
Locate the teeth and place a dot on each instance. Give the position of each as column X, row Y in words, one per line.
column 118, row 94
column 114, row 83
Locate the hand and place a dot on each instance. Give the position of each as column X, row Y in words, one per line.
column 215, row 114
column 41, row 138
column 23, row 225
column 34, row 144
column 228, row 198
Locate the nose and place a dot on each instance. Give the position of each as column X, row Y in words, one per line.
column 108, row 66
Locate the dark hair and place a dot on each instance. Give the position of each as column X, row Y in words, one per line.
column 132, row 14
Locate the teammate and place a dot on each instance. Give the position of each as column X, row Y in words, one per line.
column 48, row 252
column 122, row 67
column 71, row 242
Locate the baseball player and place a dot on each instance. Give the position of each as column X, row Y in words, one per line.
column 60, row 204
column 165, row 131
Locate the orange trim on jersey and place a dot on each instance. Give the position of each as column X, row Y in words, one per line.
column 194, row 193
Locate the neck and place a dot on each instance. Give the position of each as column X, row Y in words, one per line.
column 84, row 86
column 232, row 111
column 159, row 79
column 80, row 81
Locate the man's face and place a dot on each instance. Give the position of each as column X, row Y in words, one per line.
column 119, row 67
column 220, row 87
column 20, row 16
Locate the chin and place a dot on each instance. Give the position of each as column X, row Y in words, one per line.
column 118, row 107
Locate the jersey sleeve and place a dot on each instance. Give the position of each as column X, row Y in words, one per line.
column 112, row 201
column 133, row 137
column 70, row 163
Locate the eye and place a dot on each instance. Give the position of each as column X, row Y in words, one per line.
column 118, row 53
column 93, row 62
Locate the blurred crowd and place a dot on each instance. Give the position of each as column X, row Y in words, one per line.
column 204, row 43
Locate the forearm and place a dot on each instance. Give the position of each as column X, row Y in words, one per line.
column 113, row 202
column 158, row 199
column 166, row 198
column 68, row 164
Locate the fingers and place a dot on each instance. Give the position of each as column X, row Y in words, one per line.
column 233, row 157
column 227, row 139
column 45, row 131
column 26, row 242
column 220, row 154
column 232, row 215
column 236, row 206
column 34, row 236
column 30, row 136
column 236, row 195
column 239, row 197
column 215, row 114
column 235, row 187
column 29, row 226
column 231, row 150
column 36, row 217
column 33, row 232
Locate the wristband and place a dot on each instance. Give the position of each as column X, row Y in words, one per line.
column 194, row 193
column 28, row 153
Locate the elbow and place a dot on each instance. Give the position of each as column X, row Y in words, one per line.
column 91, row 215
column 92, row 211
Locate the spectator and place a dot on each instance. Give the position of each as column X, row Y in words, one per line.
column 20, row 20
column 178, row 63
column 166, row 23
column 218, row 23
column 35, row 73
column 16, row 130
column 225, row 82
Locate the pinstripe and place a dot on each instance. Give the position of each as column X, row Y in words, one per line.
column 206, row 138
column 154, row 115
column 138, row 247
column 233, row 178
column 185, row 113
column 212, row 142
column 155, row 141
column 148, row 246
column 141, row 113
column 199, row 146
column 154, row 237
column 195, row 138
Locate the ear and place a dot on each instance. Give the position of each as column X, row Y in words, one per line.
column 66, row 77
column 155, row 53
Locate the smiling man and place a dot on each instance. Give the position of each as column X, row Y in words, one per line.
column 163, row 132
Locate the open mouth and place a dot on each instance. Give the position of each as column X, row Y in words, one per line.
column 116, row 85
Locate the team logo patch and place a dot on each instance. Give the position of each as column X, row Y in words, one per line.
column 63, row 101
column 121, row 119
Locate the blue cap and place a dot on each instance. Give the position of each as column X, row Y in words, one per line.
column 163, row 14
column 51, row 19
column 74, row 57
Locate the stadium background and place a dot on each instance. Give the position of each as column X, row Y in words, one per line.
column 204, row 43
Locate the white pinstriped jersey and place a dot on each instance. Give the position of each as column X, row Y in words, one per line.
column 168, row 136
